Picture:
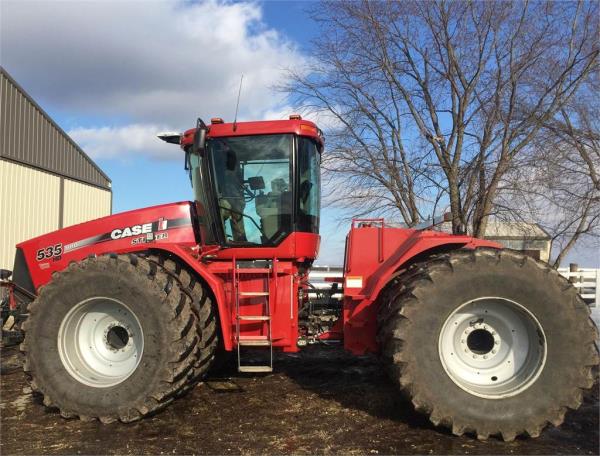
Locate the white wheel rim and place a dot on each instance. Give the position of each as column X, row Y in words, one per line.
column 492, row 347
column 100, row 342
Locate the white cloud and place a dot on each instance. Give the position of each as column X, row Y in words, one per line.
column 123, row 68
column 125, row 142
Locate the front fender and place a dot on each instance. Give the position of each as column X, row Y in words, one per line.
column 168, row 228
column 162, row 226
column 215, row 285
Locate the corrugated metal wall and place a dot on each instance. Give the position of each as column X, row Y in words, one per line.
column 83, row 202
column 29, row 206
column 28, row 135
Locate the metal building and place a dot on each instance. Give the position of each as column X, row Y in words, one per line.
column 46, row 181
column 529, row 238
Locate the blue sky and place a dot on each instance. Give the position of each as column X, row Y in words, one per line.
column 113, row 74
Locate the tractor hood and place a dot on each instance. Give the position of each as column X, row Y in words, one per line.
column 142, row 229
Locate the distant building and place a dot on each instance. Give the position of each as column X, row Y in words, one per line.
column 529, row 238
column 46, row 181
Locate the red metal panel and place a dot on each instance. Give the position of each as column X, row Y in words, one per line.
column 284, row 305
column 155, row 227
column 300, row 246
column 267, row 127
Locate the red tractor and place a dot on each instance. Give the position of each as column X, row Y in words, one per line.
column 128, row 312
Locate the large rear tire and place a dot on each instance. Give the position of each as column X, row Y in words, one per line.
column 487, row 341
column 112, row 338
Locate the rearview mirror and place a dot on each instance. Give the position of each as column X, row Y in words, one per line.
column 170, row 137
column 186, row 161
column 199, row 137
column 256, row 183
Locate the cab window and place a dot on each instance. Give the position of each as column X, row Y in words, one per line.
column 309, row 186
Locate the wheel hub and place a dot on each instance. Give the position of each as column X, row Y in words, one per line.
column 492, row 347
column 117, row 337
column 482, row 341
column 100, row 342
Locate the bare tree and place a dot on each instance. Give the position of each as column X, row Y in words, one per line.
column 556, row 183
column 436, row 102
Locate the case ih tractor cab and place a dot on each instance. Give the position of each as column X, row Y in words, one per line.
column 127, row 312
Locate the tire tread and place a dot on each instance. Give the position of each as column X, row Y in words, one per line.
column 183, row 328
column 400, row 299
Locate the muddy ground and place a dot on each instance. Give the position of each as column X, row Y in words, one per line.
column 320, row 402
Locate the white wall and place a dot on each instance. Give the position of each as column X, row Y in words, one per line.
column 84, row 202
column 30, row 205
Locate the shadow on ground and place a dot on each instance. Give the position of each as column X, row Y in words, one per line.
column 320, row 401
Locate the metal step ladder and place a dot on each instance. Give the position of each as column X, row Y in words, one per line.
column 241, row 298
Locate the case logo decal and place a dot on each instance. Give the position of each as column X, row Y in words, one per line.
column 129, row 231
column 142, row 233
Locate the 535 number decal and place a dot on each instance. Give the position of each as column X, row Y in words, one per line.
column 52, row 251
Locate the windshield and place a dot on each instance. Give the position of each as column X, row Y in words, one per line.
column 252, row 177
column 208, row 230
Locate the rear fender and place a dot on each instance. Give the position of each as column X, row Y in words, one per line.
column 421, row 248
column 368, row 270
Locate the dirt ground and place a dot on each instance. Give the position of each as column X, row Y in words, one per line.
column 320, row 402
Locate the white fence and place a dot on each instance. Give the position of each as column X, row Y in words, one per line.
column 584, row 279
column 587, row 281
column 317, row 277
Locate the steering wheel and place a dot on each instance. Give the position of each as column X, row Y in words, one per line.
column 248, row 194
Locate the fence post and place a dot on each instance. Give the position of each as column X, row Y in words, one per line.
column 597, row 300
column 573, row 268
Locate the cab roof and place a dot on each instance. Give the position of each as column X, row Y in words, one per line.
column 264, row 127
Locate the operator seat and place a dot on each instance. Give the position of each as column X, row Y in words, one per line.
column 275, row 208
column 231, row 198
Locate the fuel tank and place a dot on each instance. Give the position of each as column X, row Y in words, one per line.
column 140, row 229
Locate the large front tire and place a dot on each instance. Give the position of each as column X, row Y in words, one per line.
column 111, row 338
column 205, row 310
column 487, row 341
